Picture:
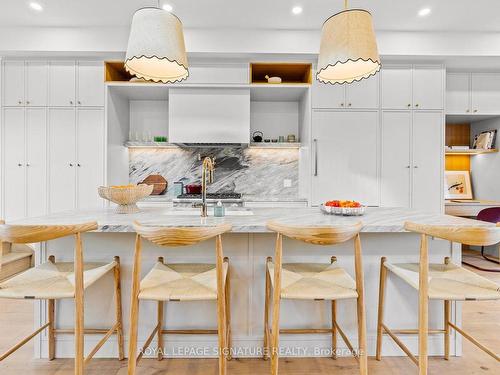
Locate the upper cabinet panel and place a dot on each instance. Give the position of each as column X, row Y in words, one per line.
column 218, row 74
column 396, row 82
column 363, row 94
column 458, row 93
column 327, row 95
column 428, row 87
column 485, row 93
column 90, row 84
column 13, row 83
column 62, row 84
column 36, row 83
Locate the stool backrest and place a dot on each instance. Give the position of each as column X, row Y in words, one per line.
column 41, row 233
column 491, row 215
column 180, row 236
column 325, row 235
column 467, row 235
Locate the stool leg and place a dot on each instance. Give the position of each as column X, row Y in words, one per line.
column 276, row 306
column 381, row 301
column 266, row 311
column 51, row 318
column 221, row 308
column 161, row 306
column 334, row 329
column 79, row 324
column 423, row 305
column 447, row 310
column 118, row 308
column 134, row 308
column 360, row 287
column 334, row 319
column 229, row 341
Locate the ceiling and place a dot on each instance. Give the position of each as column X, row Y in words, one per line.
column 446, row 15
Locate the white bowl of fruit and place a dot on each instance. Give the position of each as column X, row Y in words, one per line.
column 345, row 208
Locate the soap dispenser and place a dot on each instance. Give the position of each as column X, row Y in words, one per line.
column 219, row 210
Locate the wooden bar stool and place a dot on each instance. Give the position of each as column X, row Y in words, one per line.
column 314, row 282
column 181, row 282
column 447, row 282
column 58, row 280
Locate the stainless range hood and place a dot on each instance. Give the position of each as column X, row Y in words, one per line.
column 209, row 116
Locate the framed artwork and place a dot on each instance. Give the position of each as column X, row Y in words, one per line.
column 485, row 140
column 457, row 185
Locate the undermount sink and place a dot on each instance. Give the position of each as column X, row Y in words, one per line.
column 197, row 211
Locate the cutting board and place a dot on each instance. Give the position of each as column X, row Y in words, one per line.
column 159, row 183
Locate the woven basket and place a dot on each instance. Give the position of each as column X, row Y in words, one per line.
column 126, row 197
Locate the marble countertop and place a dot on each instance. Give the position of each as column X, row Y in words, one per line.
column 249, row 220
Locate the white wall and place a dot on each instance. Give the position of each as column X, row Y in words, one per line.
column 148, row 118
column 275, row 118
column 485, row 169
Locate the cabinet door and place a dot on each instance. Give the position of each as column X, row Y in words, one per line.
column 485, row 93
column 13, row 153
column 395, row 159
column 346, row 154
column 36, row 83
column 428, row 163
column 363, row 94
column 62, row 163
column 458, row 93
column 428, row 87
column 90, row 84
column 90, row 161
column 396, row 83
column 326, row 95
column 62, row 84
column 36, row 162
column 13, row 83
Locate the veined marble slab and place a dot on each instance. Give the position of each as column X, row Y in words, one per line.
column 374, row 220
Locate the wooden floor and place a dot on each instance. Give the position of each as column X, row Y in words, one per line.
column 482, row 319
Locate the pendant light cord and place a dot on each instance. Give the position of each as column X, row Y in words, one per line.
column 158, row 3
column 345, row 4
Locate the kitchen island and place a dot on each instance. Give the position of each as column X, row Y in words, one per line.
column 247, row 247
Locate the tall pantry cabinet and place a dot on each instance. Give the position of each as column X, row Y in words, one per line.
column 381, row 141
column 53, row 136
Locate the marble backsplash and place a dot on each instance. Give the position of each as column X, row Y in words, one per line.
column 257, row 173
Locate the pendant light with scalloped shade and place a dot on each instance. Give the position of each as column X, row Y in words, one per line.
column 348, row 50
column 156, row 50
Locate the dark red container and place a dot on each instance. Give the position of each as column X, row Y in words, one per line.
column 193, row 189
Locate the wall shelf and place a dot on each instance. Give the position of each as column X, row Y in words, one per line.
column 140, row 144
column 268, row 145
column 290, row 73
column 470, row 152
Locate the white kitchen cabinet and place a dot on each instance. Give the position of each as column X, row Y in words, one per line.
column 412, row 160
column 62, row 83
column 395, row 159
column 428, row 164
column 25, row 183
column 363, row 94
column 36, row 83
column 345, row 161
column 13, row 83
column 428, row 87
column 458, row 93
column 13, row 159
column 62, row 159
column 90, row 76
column 76, row 157
column 358, row 95
column 485, row 91
column 418, row 87
column 36, row 161
column 90, row 157
column 396, row 83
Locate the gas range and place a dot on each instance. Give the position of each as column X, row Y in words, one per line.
column 227, row 198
